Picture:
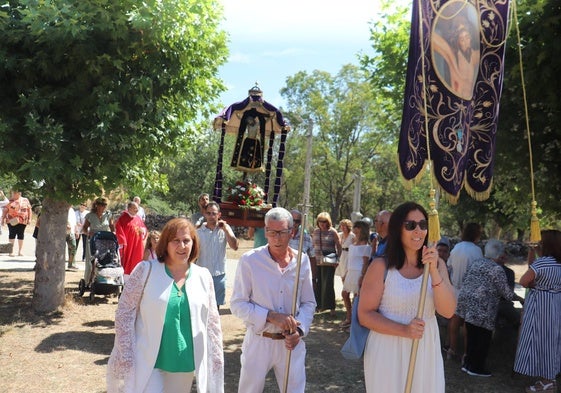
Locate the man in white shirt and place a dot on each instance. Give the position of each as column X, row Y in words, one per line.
column 80, row 220
column 198, row 218
column 214, row 234
column 262, row 298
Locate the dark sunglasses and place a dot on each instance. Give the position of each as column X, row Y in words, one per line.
column 410, row 225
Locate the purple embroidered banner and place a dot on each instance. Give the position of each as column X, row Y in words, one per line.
column 462, row 53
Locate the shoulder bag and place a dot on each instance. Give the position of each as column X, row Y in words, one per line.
column 327, row 259
column 353, row 349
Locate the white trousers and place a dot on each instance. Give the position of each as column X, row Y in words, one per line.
column 261, row 354
column 164, row 382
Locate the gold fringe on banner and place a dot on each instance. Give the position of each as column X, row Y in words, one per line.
column 434, row 222
column 535, row 232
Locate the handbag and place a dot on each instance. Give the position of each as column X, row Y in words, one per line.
column 353, row 349
column 329, row 260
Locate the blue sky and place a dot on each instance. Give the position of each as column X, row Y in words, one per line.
column 270, row 41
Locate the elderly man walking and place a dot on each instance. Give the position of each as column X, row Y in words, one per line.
column 262, row 297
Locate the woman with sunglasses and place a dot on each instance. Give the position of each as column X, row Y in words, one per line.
column 389, row 299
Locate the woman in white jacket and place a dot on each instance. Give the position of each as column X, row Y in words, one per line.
column 167, row 326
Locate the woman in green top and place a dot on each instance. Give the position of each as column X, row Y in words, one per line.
column 167, row 326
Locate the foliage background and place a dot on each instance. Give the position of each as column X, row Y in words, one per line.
column 118, row 98
column 97, row 95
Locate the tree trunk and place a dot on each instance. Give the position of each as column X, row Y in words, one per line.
column 48, row 293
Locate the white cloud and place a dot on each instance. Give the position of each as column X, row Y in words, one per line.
column 240, row 58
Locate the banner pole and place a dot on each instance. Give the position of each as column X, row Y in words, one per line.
column 305, row 207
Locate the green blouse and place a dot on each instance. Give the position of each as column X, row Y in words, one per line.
column 176, row 352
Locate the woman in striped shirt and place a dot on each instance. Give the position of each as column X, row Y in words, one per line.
column 539, row 348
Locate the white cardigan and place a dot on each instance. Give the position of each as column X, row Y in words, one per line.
column 138, row 334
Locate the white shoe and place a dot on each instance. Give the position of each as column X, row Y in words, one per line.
column 540, row 386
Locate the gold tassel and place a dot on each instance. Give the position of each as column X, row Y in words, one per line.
column 434, row 223
column 535, row 233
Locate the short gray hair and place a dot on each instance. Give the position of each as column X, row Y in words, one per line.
column 494, row 248
column 279, row 214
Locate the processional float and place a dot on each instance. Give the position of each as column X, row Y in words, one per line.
column 252, row 122
column 259, row 132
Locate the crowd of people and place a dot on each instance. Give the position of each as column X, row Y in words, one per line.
column 167, row 322
column 465, row 286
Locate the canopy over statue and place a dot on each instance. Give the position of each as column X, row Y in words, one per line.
column 231, row 117
column 254, row 123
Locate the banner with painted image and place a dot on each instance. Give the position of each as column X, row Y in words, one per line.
column 460, row 44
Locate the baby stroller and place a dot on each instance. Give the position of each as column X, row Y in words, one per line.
column 107, row 273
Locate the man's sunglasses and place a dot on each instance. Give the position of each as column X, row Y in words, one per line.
column 410, row 225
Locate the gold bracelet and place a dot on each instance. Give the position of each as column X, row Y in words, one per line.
column 435, row 285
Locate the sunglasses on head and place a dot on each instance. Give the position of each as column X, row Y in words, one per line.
column 410, row 225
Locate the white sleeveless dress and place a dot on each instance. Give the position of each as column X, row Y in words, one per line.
column 386, row 357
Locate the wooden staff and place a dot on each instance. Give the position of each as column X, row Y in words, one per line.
column 415, row 345
column 434, row 223
column 305, row 206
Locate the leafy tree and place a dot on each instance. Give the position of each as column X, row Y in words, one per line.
column 509, row 205
column 346, row 133
column 96, row 94
column 200, row 164
column 541, row 60
column 386, row 67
